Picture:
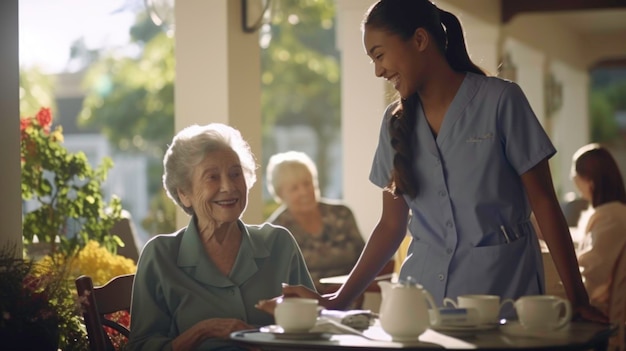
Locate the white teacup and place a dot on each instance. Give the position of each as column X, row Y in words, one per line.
column 295, row 314
column 543, row 312
column 488, row 306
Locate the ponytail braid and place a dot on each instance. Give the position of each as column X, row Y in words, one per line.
column 401, row 129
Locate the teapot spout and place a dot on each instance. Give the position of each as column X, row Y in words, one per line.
column 384, row 287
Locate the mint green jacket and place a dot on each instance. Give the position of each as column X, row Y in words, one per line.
column 177, row 285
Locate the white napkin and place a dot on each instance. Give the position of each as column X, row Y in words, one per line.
column 357, row 319
column 330, row 326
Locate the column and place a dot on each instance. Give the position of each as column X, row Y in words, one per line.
column 218, row 78
column 11, row 199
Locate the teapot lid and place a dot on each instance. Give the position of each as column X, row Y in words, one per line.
column 409, row 282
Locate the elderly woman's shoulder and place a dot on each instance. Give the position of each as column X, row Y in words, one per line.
column 164, row 241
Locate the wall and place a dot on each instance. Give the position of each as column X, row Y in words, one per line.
column 362, row 105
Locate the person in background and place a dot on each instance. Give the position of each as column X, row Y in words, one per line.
column 325, row 229
column 600, row 182
column 196, row 286
column 466, row 156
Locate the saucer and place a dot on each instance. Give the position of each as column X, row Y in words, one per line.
column 517, row 329
column 280, row 333
column 467, row 328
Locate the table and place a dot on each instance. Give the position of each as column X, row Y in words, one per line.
column 579, row 336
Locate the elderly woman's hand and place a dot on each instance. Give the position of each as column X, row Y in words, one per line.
column 293, row 291
column 220, row 328
column 223, row 327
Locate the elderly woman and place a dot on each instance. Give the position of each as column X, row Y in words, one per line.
column 325, row 230
column 196, row 286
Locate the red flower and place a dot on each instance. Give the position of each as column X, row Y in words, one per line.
column 44, row 117
column 123, row 318
column 24, row 123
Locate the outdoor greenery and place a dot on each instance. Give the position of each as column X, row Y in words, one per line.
column 608, row 96
column 131, row 99
column 300, row 76
column 35, row 304
column 36, row 90
column 64, row 206
column 38, row 300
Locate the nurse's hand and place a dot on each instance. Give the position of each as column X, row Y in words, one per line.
column 590, row 313
column 294, row 291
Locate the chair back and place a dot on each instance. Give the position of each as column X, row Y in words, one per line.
column 617, row 305
column 98, row 302
column 572, row 210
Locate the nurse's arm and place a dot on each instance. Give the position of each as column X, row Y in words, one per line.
column 380, row 247
column 553, row 226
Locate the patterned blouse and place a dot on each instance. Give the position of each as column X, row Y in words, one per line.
column 336, row 250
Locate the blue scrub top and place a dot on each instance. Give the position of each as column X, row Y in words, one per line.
column 469, row 185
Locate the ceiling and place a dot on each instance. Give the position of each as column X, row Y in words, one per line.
column 592, row 21
column 589, row 18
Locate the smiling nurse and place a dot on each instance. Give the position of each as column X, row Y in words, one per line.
column 465, row 155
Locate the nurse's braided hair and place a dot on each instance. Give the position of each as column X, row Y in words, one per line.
column 404, row 17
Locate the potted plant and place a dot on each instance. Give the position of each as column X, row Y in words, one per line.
column 34, row 304
column 67, row 214
column 62, row 192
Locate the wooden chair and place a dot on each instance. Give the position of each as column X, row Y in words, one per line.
column 617, row 304
column 97, row 302
column 572, row 210
column 125, row 229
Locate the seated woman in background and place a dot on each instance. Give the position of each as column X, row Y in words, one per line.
column 325, row 230
column 603, row 225
column 196, row 286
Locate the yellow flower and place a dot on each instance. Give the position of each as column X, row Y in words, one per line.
column 95, row 261
column 100, row 264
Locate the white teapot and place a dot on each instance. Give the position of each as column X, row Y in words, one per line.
column 404, row 310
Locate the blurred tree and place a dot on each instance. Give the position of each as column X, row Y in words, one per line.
column 162, row 214
column 607, row 98
column 36, row 91
column 603, row 125
column 131, row 100
column 604, row 104
column 300, row 74
column 616, row 95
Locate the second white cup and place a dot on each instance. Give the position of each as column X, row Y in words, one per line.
column 295, row 314
column 488, row 306
column 543, row 312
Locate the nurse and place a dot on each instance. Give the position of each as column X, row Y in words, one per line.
column 462, row 161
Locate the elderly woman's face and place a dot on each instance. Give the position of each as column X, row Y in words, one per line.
column 298, row 192
column 218, row 188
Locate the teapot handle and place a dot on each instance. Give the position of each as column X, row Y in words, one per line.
column 435, row 311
